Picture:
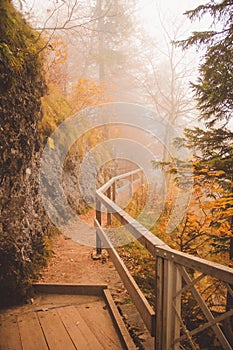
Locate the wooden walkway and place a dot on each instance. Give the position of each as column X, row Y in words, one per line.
column 61, row 322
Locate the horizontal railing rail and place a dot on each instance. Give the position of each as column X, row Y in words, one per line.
column 134, row 291
column 173, row 278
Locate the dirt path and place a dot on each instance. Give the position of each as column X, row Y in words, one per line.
column 73, row 263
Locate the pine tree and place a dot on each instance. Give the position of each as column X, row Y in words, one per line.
column 214, row 92
column 213, row 145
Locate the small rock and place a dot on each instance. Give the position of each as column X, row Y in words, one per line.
column 96, row 256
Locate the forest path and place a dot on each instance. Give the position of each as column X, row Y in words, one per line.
column 73, row 263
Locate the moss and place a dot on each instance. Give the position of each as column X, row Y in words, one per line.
column 23, row 229
column 19, row 47
column 56, row 109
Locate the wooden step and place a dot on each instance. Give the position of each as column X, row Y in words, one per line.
column 78, row 329
column 57, row 322
column 31, row 333
column 9, row 333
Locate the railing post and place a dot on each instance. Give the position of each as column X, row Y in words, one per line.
column 176, row 306
column 114, row 192
column 98, row 218
column 168, row 305
column 131, row 185
column 142, row 182
column 159, row 304
column 109, row 219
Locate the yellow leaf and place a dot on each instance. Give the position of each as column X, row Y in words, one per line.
column 51, row 143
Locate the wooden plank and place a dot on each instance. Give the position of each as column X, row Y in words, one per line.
column 98, row 319
column 177, row 286
column 104, row 188
column 78, row 330
column 9, row 333
column 31, row 333
column 172, row 283
column 54, row 331
column 126, row 340
column 136, row 294
column 68, row 288
column 159, row 303
column 221, row 272
column 168, row 312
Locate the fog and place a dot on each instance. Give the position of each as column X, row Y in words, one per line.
column 120, row 51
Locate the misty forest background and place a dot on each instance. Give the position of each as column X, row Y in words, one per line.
column 79, row 55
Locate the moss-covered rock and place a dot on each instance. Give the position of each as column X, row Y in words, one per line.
column 23, row 221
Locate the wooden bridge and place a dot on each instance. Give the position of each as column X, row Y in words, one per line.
column 64, row 316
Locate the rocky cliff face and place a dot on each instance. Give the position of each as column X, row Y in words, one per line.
column 23, row 221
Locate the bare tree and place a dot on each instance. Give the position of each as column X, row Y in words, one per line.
column 166, row 81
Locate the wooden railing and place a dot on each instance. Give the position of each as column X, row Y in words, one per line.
column 184, row 283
